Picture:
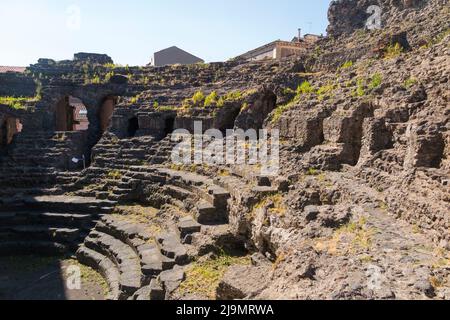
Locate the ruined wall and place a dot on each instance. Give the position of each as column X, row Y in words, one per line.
column 17, row 85
column 346, row 16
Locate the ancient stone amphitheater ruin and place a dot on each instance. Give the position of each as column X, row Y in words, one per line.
column 359, row 210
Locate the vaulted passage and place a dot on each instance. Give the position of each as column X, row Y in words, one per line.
column 169, row 126
column 71, row 115
column 133, row 126
column 9, row 127
column 106, row 111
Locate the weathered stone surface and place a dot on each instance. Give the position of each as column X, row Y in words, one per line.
column 234, row 287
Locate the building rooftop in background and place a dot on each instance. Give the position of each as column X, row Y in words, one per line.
column 174, row 55
column 5, row 69
column 281, row 49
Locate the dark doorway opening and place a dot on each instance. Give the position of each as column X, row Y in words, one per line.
column 133, row 126
column 9, row 127
column 71, row 115
column 169, row 126
column 106, row 111
column 228, row 120
column 3, row 134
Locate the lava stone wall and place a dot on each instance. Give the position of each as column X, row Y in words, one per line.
column 17, row 85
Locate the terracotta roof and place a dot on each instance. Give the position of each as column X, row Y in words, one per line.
column 5, row 69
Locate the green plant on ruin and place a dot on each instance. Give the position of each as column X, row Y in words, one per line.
column 15, row 102
column 115, row 175
column 409, row 83
column 393, row 50
column 304, row 88
column 95, row 80
column 233, row 96
column 278, row 113
column 166, row 108
column 438, row 39
column 204, row 276
column 109, row 75
column 288, row 92
column 347, row 65
column 274, row 203
column 156, row 104
column 360, row 90
column 145, row 80
column 325, row 91
column 245, row 106
column 198, row 98
column 211, row 99
column 135, row 99
column 221, row 102
column 353, row 237
column 375, row 81
column 312, row 172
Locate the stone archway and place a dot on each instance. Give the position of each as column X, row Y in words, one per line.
column 71, row 115
column 105, row 112
column 9, row 127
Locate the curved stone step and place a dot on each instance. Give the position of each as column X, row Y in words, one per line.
column 32, row 247
column 44, row 233
column 139, row 239
column 122, row 255
column 153, row 292
column 54, row 219
column 171, row 246
column 104, row 266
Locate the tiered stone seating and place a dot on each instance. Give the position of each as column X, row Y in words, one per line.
column 200, row 194
column 47, row 224
column 33, row 161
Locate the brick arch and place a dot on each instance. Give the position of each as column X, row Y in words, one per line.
column 92, row 97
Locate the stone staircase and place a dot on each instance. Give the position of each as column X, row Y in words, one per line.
column 41, row 157
column 117, row 166
column 141, row 264
column 198, row 194
column 131, row 258
column 47, row 224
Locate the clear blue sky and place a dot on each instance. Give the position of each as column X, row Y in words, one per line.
column 130, row 31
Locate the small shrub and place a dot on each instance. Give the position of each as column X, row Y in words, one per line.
column 325, row 90
column 233, row 96
column 115, row 175
column 347, row 65
column 279, row 112
column 288, row 91
column 409, row 83
column 221, row 102
column 96, row 79
column 211, row 99
column 109, row 75
column 15, row 102
column 304, row 88
column 312, row 172
column 393, row 50
column 198, row 98
column 376, row 81
column 134, row 99
column 203, row 277
column 360, row 90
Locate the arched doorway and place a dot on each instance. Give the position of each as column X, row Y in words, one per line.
column 71, row 115
column 133, row 126
column 169, row 125
column 3, row 134
column 9, row 127
column 106, row 111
